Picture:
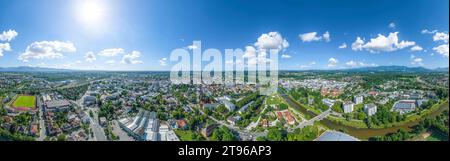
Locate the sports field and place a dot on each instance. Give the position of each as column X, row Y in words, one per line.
column 25, row 102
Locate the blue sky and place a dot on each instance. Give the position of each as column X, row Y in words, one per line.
column 139, row 34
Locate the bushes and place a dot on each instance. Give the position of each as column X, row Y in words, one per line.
column 307, row 133
column 439, row 123
column 399, row 136
column 7, row 136
column 223, row 134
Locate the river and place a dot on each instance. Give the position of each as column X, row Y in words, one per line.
column 363, row 133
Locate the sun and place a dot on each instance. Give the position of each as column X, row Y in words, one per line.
column 91, row 12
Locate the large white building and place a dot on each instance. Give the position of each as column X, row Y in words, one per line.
column 57, row 105
column 358, row 99
column 370, row 109
column 226, row 101
column 328, row 102
column 348, row 107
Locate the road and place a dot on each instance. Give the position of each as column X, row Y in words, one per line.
column 42, row 133
column 99, row 133
column 310, row 122
column 242, row 133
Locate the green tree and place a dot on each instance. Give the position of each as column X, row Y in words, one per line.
column 61, row 137
column 337, row 107
column 361, row 115
column 223, row 134
column 275, row 135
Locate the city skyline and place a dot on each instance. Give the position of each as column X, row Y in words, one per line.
column 140, row 35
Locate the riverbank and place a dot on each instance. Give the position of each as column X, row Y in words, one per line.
column 412, row 118
column 365, row 133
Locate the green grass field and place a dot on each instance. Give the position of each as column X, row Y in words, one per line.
column 187, row 135
column 25, row 102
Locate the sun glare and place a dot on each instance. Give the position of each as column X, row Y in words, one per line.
column 91, row 12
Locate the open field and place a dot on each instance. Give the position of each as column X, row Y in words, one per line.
column 26, row 102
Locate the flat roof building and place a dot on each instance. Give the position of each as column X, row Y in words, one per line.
column 57, row 105
column 404, row 106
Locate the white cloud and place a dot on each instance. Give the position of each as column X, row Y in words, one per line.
column 416, row 48
column 90, row 57
column 326, row 36
column 362, row 64
column 351, row 64
column 272, row 40
column 343, row 46
column 253, row 59
column 111, row 52
column 132, row 58
column 426, row 31
column 358, row 44
column 416, row 61
column 47, row 50
column 250, row 52
column 285, row 56
column 440, row 36
column 4, row 47
column 382, row 43
column 392, row 25
column 354, row 64
column 66, row 65
column 332, row 62
column 266, row 42
column 442, row 49
column 313, row 36
column 405, row 44
column 8, row 35
column 163, row 62
column 309, row 37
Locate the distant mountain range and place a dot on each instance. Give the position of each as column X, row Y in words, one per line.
column 397, row 69
column 364, row 69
